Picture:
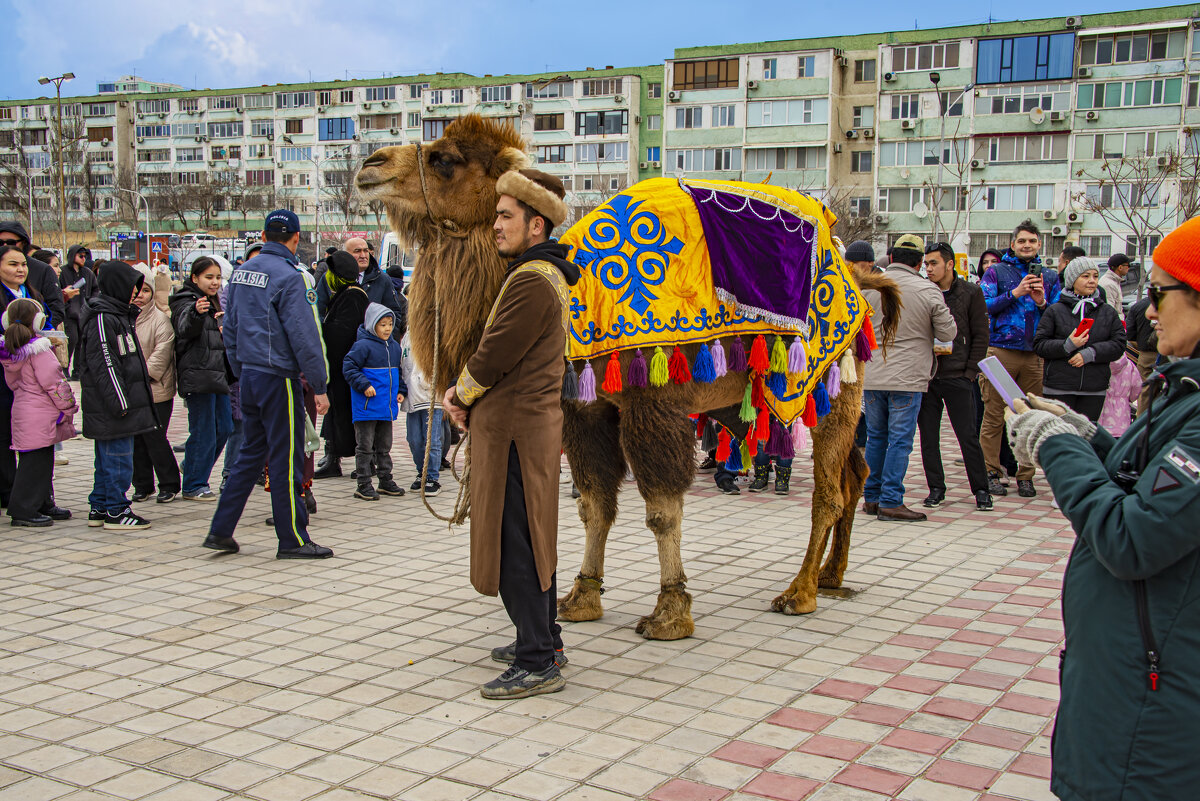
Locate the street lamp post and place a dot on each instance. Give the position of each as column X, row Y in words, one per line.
column 141, row 197
column 62, row 193
column 943, row 109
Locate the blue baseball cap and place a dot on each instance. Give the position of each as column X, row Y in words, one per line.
column 282, row 221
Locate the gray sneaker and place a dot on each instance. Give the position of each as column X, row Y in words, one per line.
column 520, row 683
column 507, row 654
column 203, row 495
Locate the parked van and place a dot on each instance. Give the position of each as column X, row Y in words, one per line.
column 392, row 253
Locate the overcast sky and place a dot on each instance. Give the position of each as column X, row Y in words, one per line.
column 224, row 43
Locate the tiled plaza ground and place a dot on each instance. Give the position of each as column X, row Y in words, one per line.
column 144, row 667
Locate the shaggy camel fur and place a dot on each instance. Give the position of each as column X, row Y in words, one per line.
column 442, row 197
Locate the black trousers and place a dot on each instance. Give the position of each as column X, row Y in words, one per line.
column 532, row 611
column 958, row 398
column 71, row 325
column 33, row 486
column 1089, row 406
column 152, row 456
column 8, row 457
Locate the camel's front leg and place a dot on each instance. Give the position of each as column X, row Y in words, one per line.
column 672, row 616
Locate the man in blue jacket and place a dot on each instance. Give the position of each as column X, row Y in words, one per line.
column 272, row 335
column 1017, row 289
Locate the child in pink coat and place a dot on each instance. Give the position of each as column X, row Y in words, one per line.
column 1123, row 390
column 42, row 413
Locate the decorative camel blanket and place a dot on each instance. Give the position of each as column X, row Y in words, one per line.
column 670, row 262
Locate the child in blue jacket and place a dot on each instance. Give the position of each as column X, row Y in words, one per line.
column 372, row 369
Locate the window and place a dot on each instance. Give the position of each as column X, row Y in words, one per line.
column 100, row 134
column 543, row 91
column 911, row 153
column 946, row 107
column 1128, row 94
column 904, row 198
column 1023, row 99
column 373, row 93
column 260, row 177
column 224, row 102
column 864, row 70
column 495, row 94
column 601, row 122
column 601, row 86
column 258, row 101
column 787, row 112
column 224, row 130
column 654, row 90
column 654, row 154
column 724, row 116
column 415, row 90
column 807, row 67
column 770, row 68
column 293, row 99
column 1013, row 197
column 1017, row 149
column 860, row 161
column 235, row 151
column 1118, row 195
column 717, row 73
column 324, row 98
column 860, row 207
column 91, row 110
column 259, row 151
column 1096, row 246
column 602, row 151
column 146, row 131
column 188, row 178
column 186, row 129
column 37, row 161
column 906, row 107
column 432, row 130
column 436, row 97
column 346, row 96
column 690, row 117
column 189, row 154
column 943, row 55
column 295, row 153
column 189, row 104
column 864, row 117
column 785, row 158
column 293, row 126
column 145, row 156
column 335, row 128
column 653, row 122
column 456, row 96
column 548, row 122
column 1119, row 145
column 552, row 154
column 262, row 127
column 414, row 119
column 1129, row 47
column 707, row 159
column 1025, row 58
column 153, row 106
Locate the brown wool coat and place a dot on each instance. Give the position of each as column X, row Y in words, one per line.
column 513, row 386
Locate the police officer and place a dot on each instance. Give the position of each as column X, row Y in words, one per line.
column 272, row 335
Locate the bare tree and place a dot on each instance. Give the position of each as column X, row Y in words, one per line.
column 172, row 199
column 949, row 198
column 337, row 186
column 1187, row 183
column 17, row 176
column 851, row 226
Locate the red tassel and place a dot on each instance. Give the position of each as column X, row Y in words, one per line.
column 870, row 329
column 701, row 422
column 612, row 375
column 762, row 428
column 723, row 446
column 678, row 368
column 752, row 446
column 757, row 392
column 809, row 418
column 759, row 361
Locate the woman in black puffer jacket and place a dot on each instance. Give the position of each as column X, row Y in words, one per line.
column 200, row 367
column 1076, row 368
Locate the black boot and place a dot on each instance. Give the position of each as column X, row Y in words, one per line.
column 762, row 473
column 783, row 475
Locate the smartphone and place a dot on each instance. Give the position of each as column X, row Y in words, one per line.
column 1084, row 326
column 1002, row 382
column 1035, row 270
column 79, row 284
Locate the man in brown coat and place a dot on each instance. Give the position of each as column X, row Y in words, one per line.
column 509, row 393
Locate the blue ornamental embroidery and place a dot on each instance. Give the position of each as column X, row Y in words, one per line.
column 628, row 249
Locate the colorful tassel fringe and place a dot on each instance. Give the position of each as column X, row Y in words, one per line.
column 701, row 422
column 658, row 368
column 786, row 448
column 779, row 356
column 708, row 440
column 758, row 398
column 799, row 438
column 639, row 373
column 720, row 368
column 612, row 375
column 746, row 413
column 762, row 428
column 820, row 398
column 702, row 367
column 870, row 329
column 849, row 371
column 777, row 383
column 797, row 357
column 587, row 383
column 737, row 356
column 570, row 388
column 734, row 460
column 758, row 361
column 774, row 445
column 677, row 367
column 833, row 380
column 862, row 346
column 809, row 418
column 746, row 455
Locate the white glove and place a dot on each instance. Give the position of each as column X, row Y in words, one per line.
column 1083, row 426
column 1029, row 430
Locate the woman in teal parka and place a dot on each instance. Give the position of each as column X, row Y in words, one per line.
column 1128, row 724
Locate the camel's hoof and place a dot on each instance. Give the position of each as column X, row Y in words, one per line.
column 653, row 628
column 794, row 605
column 830, row 582
column 580, row 604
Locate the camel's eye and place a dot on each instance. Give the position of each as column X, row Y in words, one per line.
column 443, row 163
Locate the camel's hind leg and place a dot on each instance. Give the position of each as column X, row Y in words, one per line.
column 833, row 440
column 659, row 443
column 592, row 443
column 854, row 476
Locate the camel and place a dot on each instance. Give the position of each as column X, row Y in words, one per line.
column 441, row 197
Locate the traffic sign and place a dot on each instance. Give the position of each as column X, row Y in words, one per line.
column 156, row 247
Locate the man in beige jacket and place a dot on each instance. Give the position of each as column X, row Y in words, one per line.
column 896, row 380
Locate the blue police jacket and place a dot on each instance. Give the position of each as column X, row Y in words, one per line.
column 271, row 322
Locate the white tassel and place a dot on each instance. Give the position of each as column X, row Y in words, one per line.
column 849, row 373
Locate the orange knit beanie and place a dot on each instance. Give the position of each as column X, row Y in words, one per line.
column 1179, row 253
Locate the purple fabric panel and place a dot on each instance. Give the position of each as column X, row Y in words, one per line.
column 760, row 262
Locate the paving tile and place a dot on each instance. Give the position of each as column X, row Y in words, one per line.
column 778, row 786
column 684, row 790
column 960, row 774
column 872, row 779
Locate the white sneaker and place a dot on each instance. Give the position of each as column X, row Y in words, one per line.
column 61, row 460
column 202, row 495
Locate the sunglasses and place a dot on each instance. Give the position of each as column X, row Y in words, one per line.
column 939, row 247
column 1155, row 293
column 10, row 243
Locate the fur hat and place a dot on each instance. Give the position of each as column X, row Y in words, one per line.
column 343, row 265
column 1077, row 267
column 860, row 250
column 1179, row 253
column 539, row 190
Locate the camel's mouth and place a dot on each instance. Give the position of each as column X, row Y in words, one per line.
column 371, row 179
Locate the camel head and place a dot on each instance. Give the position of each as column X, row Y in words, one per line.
column 460, row 174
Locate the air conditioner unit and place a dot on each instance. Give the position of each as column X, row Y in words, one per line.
column 393, row 131
column 521, row 107
column 270, row 137
column 508, row 104
column 656, row 165
column 868, row 133
column 851, row 134
column 1058, row 230
column 978, row 164
column 203, row 137
column 637, row 119
column 673, row 95
column 356, row 137
column 619, row 99
column 240, row 110
column 198, row 139
column 123, row 104
column 320, row 109
column 643, row 165
column 888, row 77
column 386, row 104
column 837, row 147
column 751, row 85
column 1085, row 72
column 881, row 219
column 1058, row 116
column 908, row 125
column 1073, row 22
column 1073, row 217
column 367, row 106
column 212, row 163
column 103, row 143
column 141, row 140
column 1048, row 261
column 1162, row 161
column 1092, row 116
column 1049, row 214
column 842, row 61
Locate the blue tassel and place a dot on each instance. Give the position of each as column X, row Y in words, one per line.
column 702, row 367
column 777, row 383
column 821, row 399
column 734, row 462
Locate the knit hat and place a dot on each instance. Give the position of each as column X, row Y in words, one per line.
column 860, row 250
column 1076, row 268
column 1179, row 253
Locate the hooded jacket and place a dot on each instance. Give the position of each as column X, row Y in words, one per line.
column 908, row 365
column 117, row 401
column 41, row 276
column 1014, row 320
column 67, row 277
column 199, row 348
column 1106, row 343
column 157, row 338
column 375, row 362
column 969, row 310
column 379, row 288
column 419, row 394
column 42, row 396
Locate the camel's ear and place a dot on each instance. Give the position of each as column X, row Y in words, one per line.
column 510, row 158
